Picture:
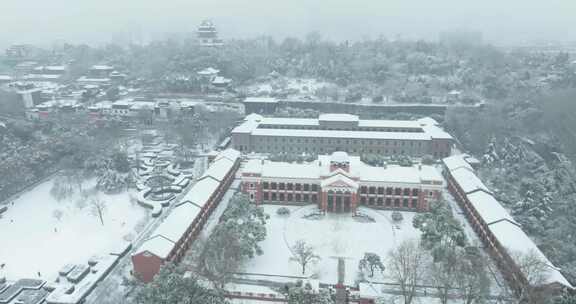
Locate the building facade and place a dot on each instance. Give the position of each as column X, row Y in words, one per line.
column 501, row 235
column 340, row 183
column 341, row 132
column 172, row 238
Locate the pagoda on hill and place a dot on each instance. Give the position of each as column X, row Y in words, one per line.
column 208, row 34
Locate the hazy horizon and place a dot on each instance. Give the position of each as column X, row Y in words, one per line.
column 96, row 22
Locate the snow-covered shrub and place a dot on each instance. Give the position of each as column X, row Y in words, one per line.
column 397, row 216
column 283, row 211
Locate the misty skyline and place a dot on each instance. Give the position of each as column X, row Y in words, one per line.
column 96, row 22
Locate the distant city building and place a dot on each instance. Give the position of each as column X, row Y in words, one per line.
column 341, row 132
column 207, row 34
column 340, row 183
column 100, row 75
column 19, row 52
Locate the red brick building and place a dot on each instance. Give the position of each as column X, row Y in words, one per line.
column 173, row 237
column 340, row 183
column 500, row 233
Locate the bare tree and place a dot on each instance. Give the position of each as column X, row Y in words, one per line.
column 98, row 208
column 303, row 254
column 406, row 267
column 472, row 277
column 57, row 214
column 535, row 272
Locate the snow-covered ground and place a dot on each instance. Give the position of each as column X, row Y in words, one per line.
column 302, row 85
column 332, row 236
column 34, row 241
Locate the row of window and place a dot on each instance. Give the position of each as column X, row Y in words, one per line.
column 405, row 203
column 364, row 129
column 289, row 186
column 289, row 197
column 389, row 191
column 338, row 141
column 314, row 149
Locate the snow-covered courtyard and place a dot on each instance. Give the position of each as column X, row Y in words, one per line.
column 39, row 234
column 333, row 236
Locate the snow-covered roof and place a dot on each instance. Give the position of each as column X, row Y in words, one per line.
column 339, row 178
column 230, row 154
column 468, row 181
column 219, row 169
column 358, row 170
column 5, row 78
column 338, row 117
column 423, row 129
column 261, row 99
column 200, row 193
column 340, row 157
column 221, row 80
column 176, row 224
column 208, row 71
column 518, row 244
column 157, row 245
column 170, row 231
column 489, row 209
column 456, row 161
column 102, row 67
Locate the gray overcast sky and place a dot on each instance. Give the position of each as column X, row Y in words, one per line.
column 44, row 21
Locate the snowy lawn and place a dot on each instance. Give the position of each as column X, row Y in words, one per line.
column 332, row 236
column 35, row 238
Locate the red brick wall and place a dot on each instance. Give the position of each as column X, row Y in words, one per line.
column 146, row 267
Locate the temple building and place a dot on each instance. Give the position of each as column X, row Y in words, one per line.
column 342, row 132
column 340, row 183
column 208, row 35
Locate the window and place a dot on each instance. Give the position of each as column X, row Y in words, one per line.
column 273, row 198
column 289, row 186
column 273, row 186
column 380, row 190
column 314, row 198
column 251, row 196
column 397, row 202
column 265, row 185
column 397, row 191
column 281, row 186
column 363, row 200
column 306, row 187
column 289, row 197
column 306, row 198
column 389, row 191
column 380, row 201
column 372, row 190
column 414, row 203
column 251, row 185
column 298, row 187
column 281, row 197
column 388, row 202
column 414, row 192
column 314, row 187
column 266, row 196
column 371, row 201
column 363, row 189
column 406, row 191
column 405, row 203
column 298, row 197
